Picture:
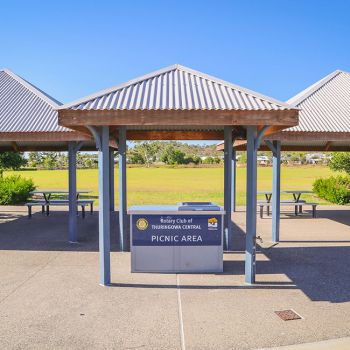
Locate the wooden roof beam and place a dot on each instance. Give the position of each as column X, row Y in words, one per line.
column 75, row 118
column 15, row 146
column 328, row 146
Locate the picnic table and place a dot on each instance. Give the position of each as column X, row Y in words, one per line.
column 296, row 194
column 47, row 200
column 268, row 195
column 296, row 199
column 48, row 193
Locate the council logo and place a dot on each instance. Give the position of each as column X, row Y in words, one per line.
column 213, row 224
column 142, row 224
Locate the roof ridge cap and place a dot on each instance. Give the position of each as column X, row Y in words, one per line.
column 313, row 88
column 342, row 71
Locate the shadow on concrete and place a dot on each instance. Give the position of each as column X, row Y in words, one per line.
column 306, row 214
column 341, row 216
column 322, row 273
column 9, row 216
column 238, row 241
column 50, row 233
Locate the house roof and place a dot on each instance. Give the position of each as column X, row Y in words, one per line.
column 177, row 88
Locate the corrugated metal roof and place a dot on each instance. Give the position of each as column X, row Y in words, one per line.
column 25, row 108
column 177, row 88
column 325, row 105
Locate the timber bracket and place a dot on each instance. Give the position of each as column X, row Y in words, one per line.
column 273, row 146
column 270, row 145
column 259, row 137
column 97, row 136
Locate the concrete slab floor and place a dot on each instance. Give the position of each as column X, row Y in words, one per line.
column 50, row 297
column 333, row 344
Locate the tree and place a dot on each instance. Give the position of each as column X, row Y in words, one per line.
column 340, row 161
column 34, row 159
column 50, row 160
column 192, row 159
column 11, row 160
column 295, row 158
column 208, row 160
column 173, row 156
column 144, row 152
column 136, row 158
column 243, row 158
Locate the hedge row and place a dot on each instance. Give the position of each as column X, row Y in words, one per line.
column 335, row 189
column 15, row 189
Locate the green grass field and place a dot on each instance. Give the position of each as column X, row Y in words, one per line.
column 171, row 185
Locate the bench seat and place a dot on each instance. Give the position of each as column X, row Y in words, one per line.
column 59, row 202
column 289, row 201
column 296, row 205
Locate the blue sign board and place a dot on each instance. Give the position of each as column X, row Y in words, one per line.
column 176, row 230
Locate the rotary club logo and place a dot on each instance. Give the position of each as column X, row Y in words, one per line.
column 142, row 224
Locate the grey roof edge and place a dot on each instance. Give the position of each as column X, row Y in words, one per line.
column 34, row 89
column 167, row 69
column 304, row 94
column 288, row 131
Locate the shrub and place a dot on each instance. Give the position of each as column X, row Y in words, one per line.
column 340, row 162
column 333, row 189
column 15, row 189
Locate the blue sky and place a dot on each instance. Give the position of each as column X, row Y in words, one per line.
column 73, row 48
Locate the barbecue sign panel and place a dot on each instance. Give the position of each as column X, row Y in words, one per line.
column 176, row 230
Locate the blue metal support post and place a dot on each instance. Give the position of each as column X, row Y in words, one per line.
column 122, row 186
column 234, row 171
column 111, row 178
column 251, row 205
column 276, row 191
column 104, row 206
column 228, row 181
column 72, row 196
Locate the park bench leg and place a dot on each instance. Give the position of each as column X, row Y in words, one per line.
column 83, row 211
column 47, row 210
column 296, row 210
column 29, row 211
column 91, row 208
column 261, row 211
column 268, row 210
column 42, row 209
column 314, row 211
column 300, row 209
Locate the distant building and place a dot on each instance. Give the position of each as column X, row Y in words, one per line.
column 263, row 160
column 316, row 158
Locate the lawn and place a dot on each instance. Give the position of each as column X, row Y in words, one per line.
column 171, row 185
